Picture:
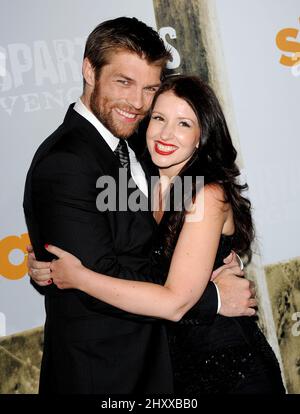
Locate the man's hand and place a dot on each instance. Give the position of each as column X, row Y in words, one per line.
column 39, row 271
column 230, row 261
column 237, row 293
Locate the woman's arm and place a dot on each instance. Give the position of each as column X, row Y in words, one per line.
column 189, row 273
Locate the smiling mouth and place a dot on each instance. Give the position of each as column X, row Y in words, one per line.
column 164, row 149
column 127, row 116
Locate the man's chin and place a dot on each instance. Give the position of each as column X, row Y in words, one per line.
column 125, row 132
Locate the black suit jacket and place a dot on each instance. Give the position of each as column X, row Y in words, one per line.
column 92, row 347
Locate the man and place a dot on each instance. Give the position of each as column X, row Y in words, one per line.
column 91, row 347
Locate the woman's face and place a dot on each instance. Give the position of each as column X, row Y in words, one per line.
column 173, row 133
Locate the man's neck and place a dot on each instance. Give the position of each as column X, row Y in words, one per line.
column 86, row 101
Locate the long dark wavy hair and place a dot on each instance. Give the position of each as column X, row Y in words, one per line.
column 214, row 159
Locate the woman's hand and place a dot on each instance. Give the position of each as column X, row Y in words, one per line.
column 66, row 271
column 38, row 271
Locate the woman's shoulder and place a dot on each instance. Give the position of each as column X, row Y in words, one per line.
column 215, row 193
column 209, row 200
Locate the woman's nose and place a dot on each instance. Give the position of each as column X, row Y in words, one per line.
column 166, row 132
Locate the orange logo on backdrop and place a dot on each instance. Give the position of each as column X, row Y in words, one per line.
column 7, row 245
column 285, row 43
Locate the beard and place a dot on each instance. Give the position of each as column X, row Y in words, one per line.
column 103, row 111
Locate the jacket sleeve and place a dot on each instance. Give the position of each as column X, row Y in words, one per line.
column 64, row 199
column 66, row 214
column 205, row 310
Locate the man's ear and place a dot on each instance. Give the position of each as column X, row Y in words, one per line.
column 88, row 73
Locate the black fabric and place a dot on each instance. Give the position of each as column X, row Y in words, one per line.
column 229, row 355
column 92, row 347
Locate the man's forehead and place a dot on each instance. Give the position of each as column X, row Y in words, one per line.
column 133, row 70
column 132, row 60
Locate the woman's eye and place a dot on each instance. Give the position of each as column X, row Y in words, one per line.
column 157, row 118
column 184, row 124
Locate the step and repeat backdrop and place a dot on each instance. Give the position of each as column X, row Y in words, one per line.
column 249, row 50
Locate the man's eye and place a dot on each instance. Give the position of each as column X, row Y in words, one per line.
column 123, row 82
column 151, row 89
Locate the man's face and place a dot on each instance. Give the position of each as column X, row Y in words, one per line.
column 123, row 94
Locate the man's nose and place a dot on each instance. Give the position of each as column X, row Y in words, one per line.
column 136, row 98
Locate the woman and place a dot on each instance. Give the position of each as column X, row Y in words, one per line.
column 187, row 136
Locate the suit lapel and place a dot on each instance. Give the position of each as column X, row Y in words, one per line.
column 95, row 142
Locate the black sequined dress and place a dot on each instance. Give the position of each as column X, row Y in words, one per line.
column 229, row 356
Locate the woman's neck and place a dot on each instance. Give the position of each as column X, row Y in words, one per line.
column 170, row 172
column 161, row 192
